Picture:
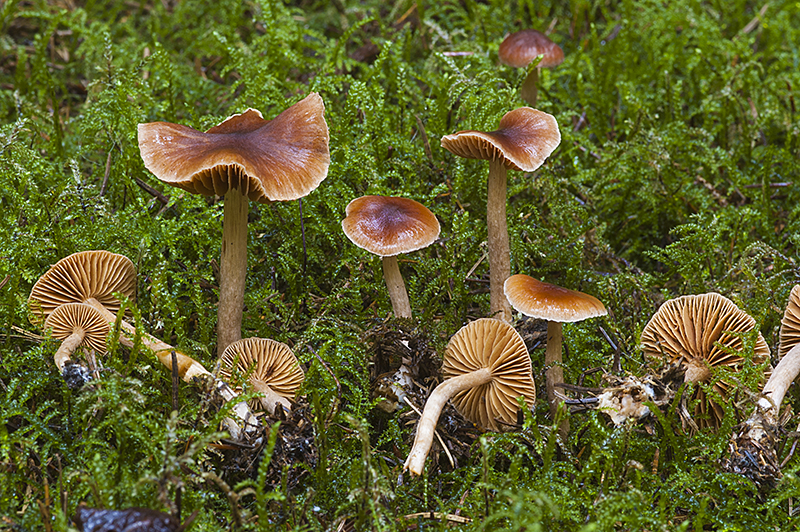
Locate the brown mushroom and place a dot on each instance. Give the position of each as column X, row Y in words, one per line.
column 557, row 305
column 76, row 324
column 520, row 49
column 387, row 226
column 790, row 324
column 526, row 138
column 243, row 157
column 271, row 369
column 702, row 332
column 486, row 369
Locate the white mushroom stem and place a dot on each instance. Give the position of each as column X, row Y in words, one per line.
column 68, row 347
column 774, row 391
column 232, row 269
column 396, row 287
column 499, row 251
column 433, row 408
column 529, row 91
column 271, row 398
column 552, row 361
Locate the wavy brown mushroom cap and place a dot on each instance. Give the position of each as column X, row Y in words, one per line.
column 522, row 47
column 388, row 226
column 550, row 302
column 790, row 324
column 70, row 318
column 271, row 362
column 268, row 160
column 526, row 138
column 495, row 345
column 82, row 276
column 702, row 332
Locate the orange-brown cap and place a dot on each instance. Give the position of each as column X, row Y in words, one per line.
column 494, row 345
column 790, row 324
column 526, row 138
column 75, row 317
column 522, row 47
column 82, row 276
column 267, row 160
column 388, row 226
column 547, row 301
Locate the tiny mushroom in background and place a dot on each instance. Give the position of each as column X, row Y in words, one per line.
column 244, row 157
column 526, row 138
column 557, row 305
column 520, row 49
column 271, row 369
column 76, row 324
column 702, row 332
column 486, row 368
column 387, row 226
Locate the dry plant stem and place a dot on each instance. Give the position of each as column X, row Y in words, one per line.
column 433, row 408
column 552, row 360
column 529, row 91
column 67, row 348
column 232, row 269
column 499, row 252
column 396, row 287
column 271, row 399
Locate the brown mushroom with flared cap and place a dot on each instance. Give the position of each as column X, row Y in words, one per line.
column 557, row 305
column 526, row 138
column 702, row 332
column 486, row 369
column 243, row 157
column 271, row 369
column 387, row 226
column 520, row 49
column 76, row 324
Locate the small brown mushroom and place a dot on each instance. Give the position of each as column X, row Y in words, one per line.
column 557, row 305
column 526, row 138
column 702, row 332
column 520, row 49
column 76, row 324
column 271, row 369
column 790, row 324
column 486, row 368
column 243, row 157
column 388, row 226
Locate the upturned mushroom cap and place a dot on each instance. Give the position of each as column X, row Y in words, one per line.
column 790, row 324
column 547, row 301
column 267, row 160
column 702, row 332
column 494, row 345
column 272, row 363
column 522, row 47
column 70, row 318
column 526, row 138
column 388, row 226
column 82, row 276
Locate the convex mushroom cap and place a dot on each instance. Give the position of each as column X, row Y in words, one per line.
column 520, row 48
column 702, row 332
column 550, row 302
column 271, row 367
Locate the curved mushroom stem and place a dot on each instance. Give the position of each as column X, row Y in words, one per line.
column 433, row 408
column 67, row 348
column 396, row 287
column 499, row 251
column 232, row 269
column 782, row 377
column 529, row 91
column 271, row 398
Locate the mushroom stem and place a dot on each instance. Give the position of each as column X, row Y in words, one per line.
column 499, row 251
column 67, row 348
column 232, row 269
column 782, row 377
column 271, row 398
column 433, row 408
column 529, row 91
column 396, row 287
column 552, row 361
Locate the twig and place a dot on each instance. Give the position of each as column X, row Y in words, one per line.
column 103, row 188
column 150, row 190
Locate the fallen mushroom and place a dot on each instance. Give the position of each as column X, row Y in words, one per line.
column 486, row 369
column 271, row 369
column 76, row 324
column 387, row 226
column 520, row 49
column 526, row 138
column 243, row 157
